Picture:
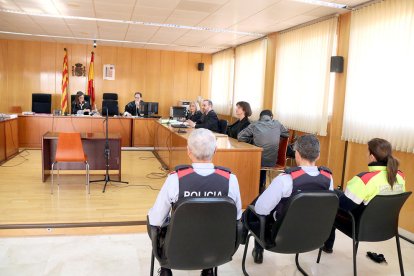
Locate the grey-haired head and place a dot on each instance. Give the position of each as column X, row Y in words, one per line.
column 308, row 147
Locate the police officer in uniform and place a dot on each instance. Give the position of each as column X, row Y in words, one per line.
column 306, row 177
column 201, row 179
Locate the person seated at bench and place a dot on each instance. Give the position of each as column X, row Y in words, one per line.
column 202, row 179
column 382, row 178
column 306, row 177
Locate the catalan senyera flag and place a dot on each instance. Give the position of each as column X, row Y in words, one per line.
column 91, row 84
column 65, row 84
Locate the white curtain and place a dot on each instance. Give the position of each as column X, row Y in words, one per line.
column 380, row 81
column 250, row 75
column 222, row 81
column 301, row 89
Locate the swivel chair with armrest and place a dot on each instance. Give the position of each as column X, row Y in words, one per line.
column 305, row 226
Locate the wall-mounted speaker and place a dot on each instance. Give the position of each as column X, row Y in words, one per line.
column 337, row 64
column 200, row 66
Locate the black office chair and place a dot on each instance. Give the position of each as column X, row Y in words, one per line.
column 111, row 106
column 305, row 226
column 110, row 96
column 41, row 103
column 377, row 222
column 73, row 97
column 202, row 233
column 223, row 126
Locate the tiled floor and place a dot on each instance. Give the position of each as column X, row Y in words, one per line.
column 129, row 254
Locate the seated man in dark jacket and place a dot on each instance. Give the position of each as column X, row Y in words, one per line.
column 208, row 120
column 306, row 177
column 132, row 108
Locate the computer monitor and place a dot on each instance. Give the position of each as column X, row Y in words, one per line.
column 178, row 112
column 148, row 108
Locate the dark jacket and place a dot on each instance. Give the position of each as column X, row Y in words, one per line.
column 76, row 106
column 209, row 121
column 234, row 129
column 132, row 109
column 265, row 133
column 194, row 117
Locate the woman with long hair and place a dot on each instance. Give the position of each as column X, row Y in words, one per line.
column 242, row 112
column 383, row 178
column 80, row 103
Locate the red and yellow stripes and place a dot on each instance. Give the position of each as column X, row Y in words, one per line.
column 65, row 84
column 91, row 84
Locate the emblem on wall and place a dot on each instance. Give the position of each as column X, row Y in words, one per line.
column 78, row 70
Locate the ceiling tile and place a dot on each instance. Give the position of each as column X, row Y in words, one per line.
column 167, row 35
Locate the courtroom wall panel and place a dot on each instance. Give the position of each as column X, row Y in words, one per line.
column 166, row 77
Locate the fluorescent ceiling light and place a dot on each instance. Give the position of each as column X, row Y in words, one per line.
column 323, row 3
column 175, row 26
column 109, row 40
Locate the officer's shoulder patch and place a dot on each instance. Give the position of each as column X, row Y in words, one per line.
column 366, row 176
column 182, row 167
column 322, row 168
column 292, row 169
column 222, row 168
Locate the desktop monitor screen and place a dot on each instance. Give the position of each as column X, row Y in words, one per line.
column 179, row 111
column 148, row 108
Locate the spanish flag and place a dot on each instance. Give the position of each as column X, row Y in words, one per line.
column 65, row 83
column 91, row 84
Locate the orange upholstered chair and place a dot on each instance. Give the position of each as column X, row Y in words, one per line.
column 70, row 149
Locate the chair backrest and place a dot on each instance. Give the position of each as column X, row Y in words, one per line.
column 223, row 126
column 307, row 223
column 281, row 154
column 111, row 106
column 69, row 148
column 201, row 233
column 379, row 220
column 41, row 103
column 110, row 96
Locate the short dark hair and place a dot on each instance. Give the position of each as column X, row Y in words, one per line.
column 266, row 112
column 246, row 108
column 140, row 94
column 79, row 93
column 308, row 147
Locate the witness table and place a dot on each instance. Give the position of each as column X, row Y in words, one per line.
column 93, row 145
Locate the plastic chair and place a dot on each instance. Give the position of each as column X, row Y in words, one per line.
column 70, row 149
column 281, row 159
column 377, row 222
column 202, row 233
column 305, row 226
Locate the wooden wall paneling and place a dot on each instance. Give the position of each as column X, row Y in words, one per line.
column 143, row 131
column 109, row 56
column 48, row 72
column 194, row 77
column 123, row 75
column 206, row 76
column 31, row 77
column 77, row 53
column 137, row 76
column 180, row 76
column 71, row 124
column 4, row 95
column 32, row 128
column 167, row 98
column 16, row 75
column 152, row 76
column 336, row 146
